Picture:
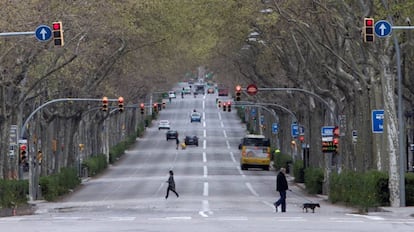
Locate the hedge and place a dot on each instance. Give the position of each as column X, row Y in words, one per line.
column 13, row 193
column 59, row 184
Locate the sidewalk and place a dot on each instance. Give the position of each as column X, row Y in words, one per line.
column 397, row 212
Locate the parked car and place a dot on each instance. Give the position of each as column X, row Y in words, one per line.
column 171, row 94
column 171, row 134
column 195, row 117
column 210, row 90
column 191, row 140
column 164, row 124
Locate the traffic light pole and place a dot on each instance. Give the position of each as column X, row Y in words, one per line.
column 32, row 191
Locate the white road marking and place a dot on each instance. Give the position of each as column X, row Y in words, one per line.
column 205, row 133
column 205, row 189
column 232, row 157
column 222, row 125
column 224, row 133
column 250, row 187
column 204, row 157
column 377, row 218
column 204, row 144
column 205, row 173
column 228, row 144
column 205, row 209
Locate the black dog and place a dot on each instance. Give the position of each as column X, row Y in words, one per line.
column 312, row 206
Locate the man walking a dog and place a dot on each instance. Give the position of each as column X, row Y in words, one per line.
column 281, row 187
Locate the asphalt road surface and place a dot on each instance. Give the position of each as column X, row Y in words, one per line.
column 215, row 194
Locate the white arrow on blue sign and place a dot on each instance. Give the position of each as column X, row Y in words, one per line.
column 295, row 130
column 43, row 33
column 275, row 128
column 382, row 28
column 377, row 121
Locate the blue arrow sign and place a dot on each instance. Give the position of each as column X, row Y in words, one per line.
column 43, row 33
column 295, row 130
column 382, row 28
column 275, row 128
column 377, row 121
column 253, row 112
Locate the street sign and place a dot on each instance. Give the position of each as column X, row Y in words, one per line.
column 253, row 112
column 275, row 128
column 327, row 131
column 261, row 120
column 43, row 33
column 295, row 130
column 377, row 121
column 251, row 89
column 382, row 28
column 354, row 136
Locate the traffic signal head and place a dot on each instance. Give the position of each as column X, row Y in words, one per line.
column 121, row 104
column 219, row 103
column 57, row 33
column 23, row 152
column 368, row 32
column 104, row 104
column 155, row 107
column 228, row 106
column 238, row 92
column 224, row 106
column 142, row 106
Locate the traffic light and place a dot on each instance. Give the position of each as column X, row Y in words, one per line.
column 229, row 107
column 142, row 106
column 238, row 92
column 163, row 105
column 155, row 107
column 39, row 156
column 336, row 139
column 219, row 103
column 368, row 32
column 23, row 153
column 224, row 107
column 104, row 104
column 121, row 104
column 57, row 33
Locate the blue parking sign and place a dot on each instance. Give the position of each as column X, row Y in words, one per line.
column 295, row 130
column 275, row 128
column 377, row 121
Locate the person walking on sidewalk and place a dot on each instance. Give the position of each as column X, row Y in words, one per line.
column 171, row 185
column 281, row 187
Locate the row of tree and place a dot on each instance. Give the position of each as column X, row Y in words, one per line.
column 135, row 48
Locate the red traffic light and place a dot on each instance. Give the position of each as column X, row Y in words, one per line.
column 23, row 147
column 105, row 100
column 142, row 105
column 120, row 100
column 369, row 22
column 238, row 88
column 56, row 26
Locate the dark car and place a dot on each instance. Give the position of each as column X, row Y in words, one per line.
column 191, row 140
column 171, row 134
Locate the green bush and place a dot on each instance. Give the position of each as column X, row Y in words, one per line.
column 281, row 160
column 59, row 184
column 95, row 164
column 363, row 190
column 299, row 171
column 13, row 193
column 409, row 189
column 314, row 180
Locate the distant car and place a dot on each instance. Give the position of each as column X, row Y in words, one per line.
column 171, row 94
column 187, row 90
column 210, row 90
column 164, row 124
column 191, row 140
column 195, row 117
column 171, row 134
